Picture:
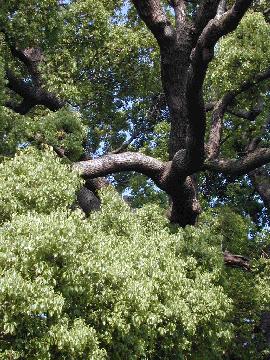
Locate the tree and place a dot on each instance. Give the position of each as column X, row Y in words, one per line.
column 83, row 78
column 186, row 44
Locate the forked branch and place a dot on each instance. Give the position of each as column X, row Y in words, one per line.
column 213, row 31
column 153, row 14
column 32, row 93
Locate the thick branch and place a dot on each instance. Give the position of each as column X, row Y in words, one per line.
column 181, row 189
column 31, row 95
column 128, row 161
column 152, row 13
column 207, row 11
column 241, row 166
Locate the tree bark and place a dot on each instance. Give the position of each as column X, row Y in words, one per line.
column 261, row 181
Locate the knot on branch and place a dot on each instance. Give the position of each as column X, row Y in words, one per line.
column 33, row 54
column 179, row 161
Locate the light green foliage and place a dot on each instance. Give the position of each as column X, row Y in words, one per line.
column 35, row 181
column 240, row 55
column 118, row 285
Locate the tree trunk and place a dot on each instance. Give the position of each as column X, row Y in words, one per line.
column 175, row 62
column 174, row 74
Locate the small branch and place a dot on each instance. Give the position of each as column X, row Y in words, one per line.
column 240, row 166
column 261, row 181
column 254, row 143
column 260, row 177
column 31, row 95
column 222, row 106
column 147, row 124
column 219, row 109
column 221, row 8
column 125, row 144
column 250, row 115
column 213, row 145
column 266, row 15
column 179, row 7
column 210, row 106
column 247, row 85
column 238, row 261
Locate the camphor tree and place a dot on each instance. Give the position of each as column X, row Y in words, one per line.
column 184, row 86
column 187, row 35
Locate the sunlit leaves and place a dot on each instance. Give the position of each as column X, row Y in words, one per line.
column 119, row 285
column 35, row 181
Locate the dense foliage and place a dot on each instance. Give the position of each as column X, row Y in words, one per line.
column 119, row 284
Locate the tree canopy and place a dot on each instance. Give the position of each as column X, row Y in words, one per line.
column 167, row 104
